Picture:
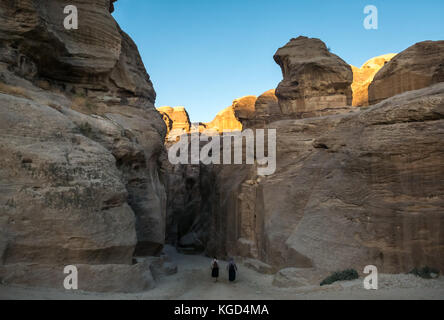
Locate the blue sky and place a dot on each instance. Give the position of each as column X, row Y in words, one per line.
column 202, row 54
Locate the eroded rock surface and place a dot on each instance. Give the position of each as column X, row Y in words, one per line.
column 81, row 146
column 350, row 190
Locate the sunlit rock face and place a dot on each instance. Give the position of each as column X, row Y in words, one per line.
column 316, row 82
column 225, row 121
column 80, row 144
column 177, row 121
column 362, row 77
column 417, row 67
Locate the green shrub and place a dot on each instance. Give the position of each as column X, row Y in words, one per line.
column 425, row 273
column 345, row 275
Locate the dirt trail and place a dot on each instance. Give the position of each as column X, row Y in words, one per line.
column 193, row 282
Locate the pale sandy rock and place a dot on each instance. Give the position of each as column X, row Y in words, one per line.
column 298, row 277
column 259, row 266
column 362, row 77
column 417, row 67
column 316, row 82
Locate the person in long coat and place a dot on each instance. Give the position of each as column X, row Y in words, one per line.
column 232, row 270
column 215, row 269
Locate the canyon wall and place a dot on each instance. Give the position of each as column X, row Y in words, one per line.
column 81, row 150
column 354, row 188
column 417, row 67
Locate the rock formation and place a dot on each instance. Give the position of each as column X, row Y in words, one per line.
column 316, row 82
column 224, row 121
column 81, row 146
column 244, row 109
column 362, row 77
column 417, row 67
column 351, row 189
column 267, row 109
column 177, row 121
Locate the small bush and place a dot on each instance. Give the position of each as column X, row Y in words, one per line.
column 86, row 129
column 425, row 273
column 345, row 275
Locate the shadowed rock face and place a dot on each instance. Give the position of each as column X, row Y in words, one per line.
column 81, row 145
column 417, row 67
column 350, row 190
column 316, row 82
column 267, row 107
column 362, row 77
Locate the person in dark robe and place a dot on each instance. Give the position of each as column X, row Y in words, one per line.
column 215, row 269
column 232, row 270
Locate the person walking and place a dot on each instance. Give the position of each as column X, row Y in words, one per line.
column 232, row 270
column 215, row 269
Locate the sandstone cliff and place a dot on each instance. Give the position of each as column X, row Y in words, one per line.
column 417, row 67
column 81, row 143
column 362, row 77
column 316, row 82
column 351, row 189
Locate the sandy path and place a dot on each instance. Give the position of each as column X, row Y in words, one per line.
column 193, row 282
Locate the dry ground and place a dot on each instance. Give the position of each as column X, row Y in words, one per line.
column 193, row 282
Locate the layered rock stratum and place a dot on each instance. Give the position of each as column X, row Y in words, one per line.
column 417, row 67
column 316, row 81
column 81, row 150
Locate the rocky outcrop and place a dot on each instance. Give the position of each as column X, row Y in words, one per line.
column 362, row 77
column 316, row 82
column 176, row 119
column 81, row 146
column 246, row 112
column 267, row 109
column 338, row 201
column 417, row 67
column 244, row 109
column 224, row 121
